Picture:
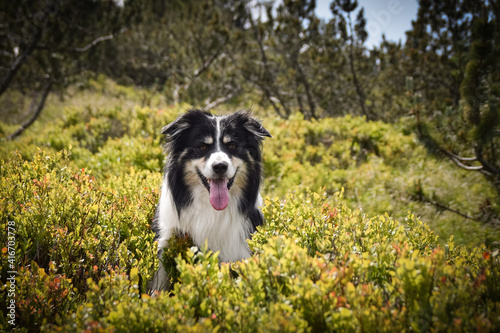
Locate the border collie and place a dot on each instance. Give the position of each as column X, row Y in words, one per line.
column 211, row 183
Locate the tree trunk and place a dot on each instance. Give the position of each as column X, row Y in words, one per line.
column 357, row 85
column 268, row 85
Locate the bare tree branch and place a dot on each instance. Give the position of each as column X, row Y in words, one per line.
column 357, row 85
column 20, row 60
column 267, row 91
column 275, row 102
column 466, row 167
column 303, row 79
column 421, row 197
column 36, row 113
column 218, row 101
column 487, row 166
column 93, row 43
column 443, row 207
column 458, row 160
column 203, row 68
column 207, row 63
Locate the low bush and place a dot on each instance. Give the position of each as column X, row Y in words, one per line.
column 379, row 166
column 85, row 255
column 77, row 198
column 66, row 223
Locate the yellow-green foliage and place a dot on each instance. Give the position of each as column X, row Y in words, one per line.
column 67, row 223
column 379, row 165
column 82, row 191
column 359, row 274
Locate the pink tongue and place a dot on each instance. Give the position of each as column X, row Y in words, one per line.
column 219, row 194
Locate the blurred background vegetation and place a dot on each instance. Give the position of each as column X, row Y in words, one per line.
column 411, row 126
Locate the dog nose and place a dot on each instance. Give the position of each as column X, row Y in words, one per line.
column 220, row 168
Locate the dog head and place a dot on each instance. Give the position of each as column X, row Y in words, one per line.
column 219, row 153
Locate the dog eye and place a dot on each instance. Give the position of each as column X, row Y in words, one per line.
column 203, row 146
column 231, row 145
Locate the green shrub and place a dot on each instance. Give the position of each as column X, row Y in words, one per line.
column 359, row 275
column 42, row 297
column 346, row 256
column 318, row 265
column 67, row 222
column 378, row 165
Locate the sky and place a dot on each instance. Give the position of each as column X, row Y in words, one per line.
column 389, row 17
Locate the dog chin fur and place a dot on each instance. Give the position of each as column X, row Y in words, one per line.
column 185, row 204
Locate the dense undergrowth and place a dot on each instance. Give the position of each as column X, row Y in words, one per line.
column 342, row 248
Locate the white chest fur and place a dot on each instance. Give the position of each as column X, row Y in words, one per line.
column 225, row 231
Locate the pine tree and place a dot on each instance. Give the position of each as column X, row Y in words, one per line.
column 454, row 58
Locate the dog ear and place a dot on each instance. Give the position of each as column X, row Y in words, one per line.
column 183, row 122
column 256, row 128
column 253, row 125
column 176, row 127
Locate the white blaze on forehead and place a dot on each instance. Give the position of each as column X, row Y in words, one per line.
column 217, row 133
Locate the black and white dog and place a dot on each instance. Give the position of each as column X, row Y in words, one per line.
column 211, row 184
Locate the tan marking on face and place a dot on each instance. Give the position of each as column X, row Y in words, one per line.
column 208, row 140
